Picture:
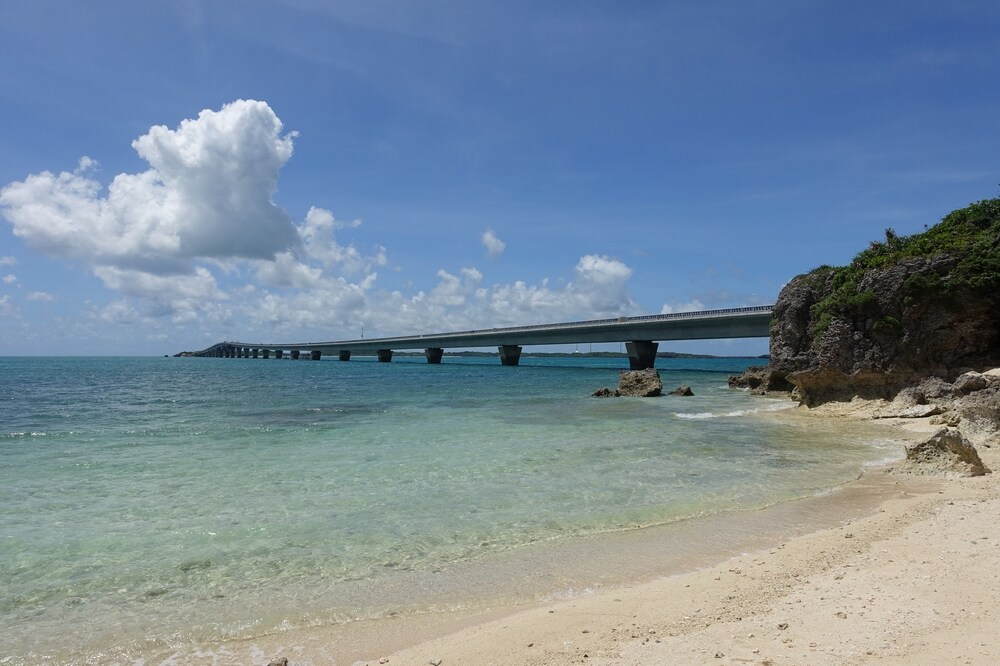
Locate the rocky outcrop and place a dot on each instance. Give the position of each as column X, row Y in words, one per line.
column 945, row 453
column 683, row 390
column 905, row 309
column 761, row 380
column 634, row 384
column 640, row 383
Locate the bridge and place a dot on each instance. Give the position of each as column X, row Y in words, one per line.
column 640, row 335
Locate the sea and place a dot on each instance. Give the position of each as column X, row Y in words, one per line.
column 152, row 509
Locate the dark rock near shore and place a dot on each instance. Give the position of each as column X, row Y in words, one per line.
column 640, row 383
column 604, row 393
column 946, row 452
column 683, row 389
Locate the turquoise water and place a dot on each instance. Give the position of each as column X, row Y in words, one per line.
column 146, row 503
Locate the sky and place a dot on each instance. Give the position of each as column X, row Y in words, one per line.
column 178, row 173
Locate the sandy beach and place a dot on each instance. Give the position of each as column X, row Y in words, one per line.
column 915, row 582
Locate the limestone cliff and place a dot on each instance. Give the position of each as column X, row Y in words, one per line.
column 908, row 308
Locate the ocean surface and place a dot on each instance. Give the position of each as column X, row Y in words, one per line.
column 154, row 507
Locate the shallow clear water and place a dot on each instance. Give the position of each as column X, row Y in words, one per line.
column 145, row 502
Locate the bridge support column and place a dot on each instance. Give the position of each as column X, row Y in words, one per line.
column 344, row 355
column 434, row 354
column 384, row 355
column 278, row 353
column 316, row 354
column 641, row 354
column 266, row 353
column 295, row 354
column 509, row 354
column 255, row 352
column 245, row 352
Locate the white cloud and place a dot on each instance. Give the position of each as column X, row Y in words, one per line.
column 40, row 296
column 9, row 279
column 207, row 194
column 7, row 261
column 494, row 246
column 196, row 240
column 120, row 312
column 693, row 306
column 320, row 244
column 5, row 307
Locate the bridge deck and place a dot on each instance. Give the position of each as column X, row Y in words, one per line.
column 745, row 322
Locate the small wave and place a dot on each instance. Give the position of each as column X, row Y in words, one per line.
column 12, row 435
column 694, row 416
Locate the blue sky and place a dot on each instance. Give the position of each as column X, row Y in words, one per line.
column 179, row 173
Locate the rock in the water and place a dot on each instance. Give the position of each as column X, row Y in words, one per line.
column 760, row 379
column 683, row 389
column 604, row 393
column 640, row 383
column 946, row 452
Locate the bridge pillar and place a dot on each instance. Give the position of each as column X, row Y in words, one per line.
column 344, row 355
column 255, row 352
column 641, row 354
column 278, row 353
column 266, row 353
column 295, row 354
column 245, row 352
column 509, row 354
column 434, row 354
column 316, row 354
column 384, row 355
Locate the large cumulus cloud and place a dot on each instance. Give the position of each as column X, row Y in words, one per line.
column 196, row 241
column 207, row 194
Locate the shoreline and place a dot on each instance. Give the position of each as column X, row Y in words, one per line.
column 915, row 581
column 720, row 606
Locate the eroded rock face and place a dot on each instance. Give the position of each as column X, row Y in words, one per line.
column 979, row 414
column 683, row 389
column 946, row 453
column 640, row 383
column 896, row 340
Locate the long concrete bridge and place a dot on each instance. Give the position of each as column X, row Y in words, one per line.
column 640, row 334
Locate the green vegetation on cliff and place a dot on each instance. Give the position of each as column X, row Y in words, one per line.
column 964, row 251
